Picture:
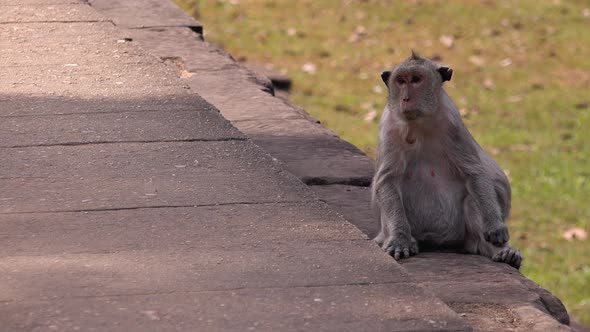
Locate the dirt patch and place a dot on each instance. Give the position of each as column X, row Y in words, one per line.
column 574, row 77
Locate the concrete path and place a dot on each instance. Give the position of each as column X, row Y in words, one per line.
column 130, row 204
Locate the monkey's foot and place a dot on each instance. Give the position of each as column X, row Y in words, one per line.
column 509, row 255
column 400, row 247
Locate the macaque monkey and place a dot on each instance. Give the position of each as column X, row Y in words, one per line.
column 434, row 186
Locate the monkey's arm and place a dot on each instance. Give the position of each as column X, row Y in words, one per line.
column 398, row 241
column 480, row 184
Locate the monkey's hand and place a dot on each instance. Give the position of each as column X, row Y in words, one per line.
column 497, row 234
column 400, row 246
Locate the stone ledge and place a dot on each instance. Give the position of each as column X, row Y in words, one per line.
column 145, row 14
column 284, row 130
column 489, row 296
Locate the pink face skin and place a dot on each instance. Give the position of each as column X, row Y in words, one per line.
column 409, row 84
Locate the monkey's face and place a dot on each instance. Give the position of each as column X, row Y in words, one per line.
column 415, row 88
column 413, row 91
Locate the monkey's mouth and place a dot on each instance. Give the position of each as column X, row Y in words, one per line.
column 411, row 115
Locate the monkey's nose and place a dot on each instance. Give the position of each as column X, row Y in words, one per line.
column 406, row 99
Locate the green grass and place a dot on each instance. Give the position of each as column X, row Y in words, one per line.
column 529, row 120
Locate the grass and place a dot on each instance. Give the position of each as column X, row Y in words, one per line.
column 521, row 79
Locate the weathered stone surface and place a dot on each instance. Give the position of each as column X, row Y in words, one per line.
column 83, row 100
column 576, row 326
column 174, row 235
column 192, row 56
column 482, row 291
column 67, row 45
column 130, row 175
column 237, row 102
column 39, row 2
column 533, row 319
column 458, row 267
column 311, row 152
column 143, row 126
column 107, row 235
column 153, row 93
column 231, row 227
column 327, row 308
column 90, row 76
column 458, row 278
column 352, row 202
column 211, row 72
column 268, row 128
column 49, row 13
column 471, row 279
column 72, row 74
column 279, row 81
column 145, row 13
column 497, row 317
column 553, row 305
column 489, row 317
column 183, row 43
column 186, row 50
column 504, row 292
column 188, row 269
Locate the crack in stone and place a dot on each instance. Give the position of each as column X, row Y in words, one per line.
column 65, row 21
column 217, row 290
column 122, row 111
column 192, row 27
column 123, row 142
column 157, row 207
column 362, row 181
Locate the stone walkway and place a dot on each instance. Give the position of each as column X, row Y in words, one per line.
column 130, row 204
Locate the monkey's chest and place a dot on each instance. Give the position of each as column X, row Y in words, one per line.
column 433, row 200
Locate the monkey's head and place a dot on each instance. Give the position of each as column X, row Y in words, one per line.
column 415, row 87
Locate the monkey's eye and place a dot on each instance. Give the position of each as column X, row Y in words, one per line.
column 416, row 79
column 400, row 80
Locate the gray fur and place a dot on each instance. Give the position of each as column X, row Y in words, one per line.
column 434, row 185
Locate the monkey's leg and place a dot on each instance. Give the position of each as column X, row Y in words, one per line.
column 481, row 189
column 475, row 242
column 399, row 243
column 395, row 229
column 382, row 235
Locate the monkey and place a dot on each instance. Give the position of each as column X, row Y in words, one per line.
column 434, row 186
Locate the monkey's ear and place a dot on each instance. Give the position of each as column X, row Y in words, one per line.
column 446, row 73
column 385, row 76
